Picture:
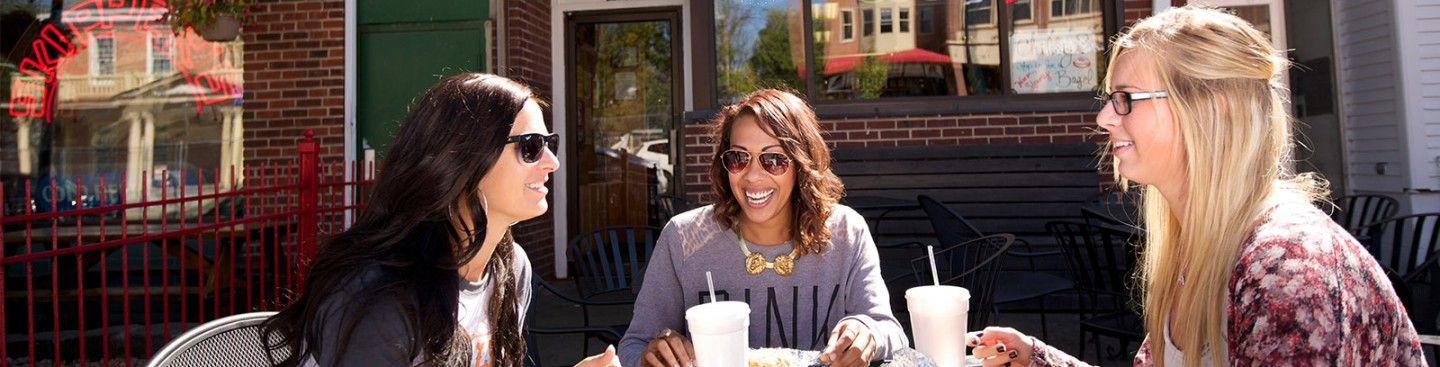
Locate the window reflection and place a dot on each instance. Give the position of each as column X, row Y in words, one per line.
column 759, row 45
column 866, row 49
column 105, row 90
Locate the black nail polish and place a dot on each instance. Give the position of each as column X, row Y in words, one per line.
column 1000, row 348
column 1014, row 354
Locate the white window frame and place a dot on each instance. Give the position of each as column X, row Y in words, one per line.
column 847, row 35
column 902, row 19
column 95, row 57
column 151, row 56
column 887, row 18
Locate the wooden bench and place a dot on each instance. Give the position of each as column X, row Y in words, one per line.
column 1000, row 188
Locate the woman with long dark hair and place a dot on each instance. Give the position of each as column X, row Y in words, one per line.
column 430, row 274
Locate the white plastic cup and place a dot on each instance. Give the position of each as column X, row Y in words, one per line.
column 720, row 332
column 938, row 317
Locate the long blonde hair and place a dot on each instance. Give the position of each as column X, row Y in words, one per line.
column 1229, row 106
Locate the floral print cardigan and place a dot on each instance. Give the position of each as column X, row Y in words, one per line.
column 1303, row 292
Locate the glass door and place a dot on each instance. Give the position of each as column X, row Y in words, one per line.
column 623, row 80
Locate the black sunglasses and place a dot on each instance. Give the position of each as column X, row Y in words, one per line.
column 531, row 146
column 736, row 161
column 1121, row 100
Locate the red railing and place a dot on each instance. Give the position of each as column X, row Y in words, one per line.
column 115, row 280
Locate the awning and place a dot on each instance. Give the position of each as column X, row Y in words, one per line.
column 840, row 64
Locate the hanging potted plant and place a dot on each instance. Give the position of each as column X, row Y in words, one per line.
column 213, row 20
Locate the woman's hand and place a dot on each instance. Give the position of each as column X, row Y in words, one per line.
column 607, row 359
column 669, row 349
column 1000, row 346
column 851, row 344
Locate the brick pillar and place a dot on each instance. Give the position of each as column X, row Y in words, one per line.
column 528, row 54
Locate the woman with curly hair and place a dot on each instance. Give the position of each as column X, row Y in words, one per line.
column 776, row 239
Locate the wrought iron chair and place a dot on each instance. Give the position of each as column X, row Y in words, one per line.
column 951, row 228
column 1355, row 212
column 1100, row 259
column 612, row 259
column 230, row 341
column 972, row 265
column 1408, row 248
column 609, row 267
column 609, row 334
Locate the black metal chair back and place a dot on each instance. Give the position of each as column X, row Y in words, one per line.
column 1100, row 259
column 1408, row 248
column 1355, row 212
column 612, row 259
column 972, row 265
column 950, row 227
column 234, row 340
column 1406, row 245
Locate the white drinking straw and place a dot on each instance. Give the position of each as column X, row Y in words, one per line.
column 933, row 275
column 711, row 282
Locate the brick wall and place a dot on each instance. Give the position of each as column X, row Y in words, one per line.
column 294, row 79
column 527, row 59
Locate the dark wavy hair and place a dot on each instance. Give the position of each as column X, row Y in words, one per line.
column 817, row 189
column 411, row 232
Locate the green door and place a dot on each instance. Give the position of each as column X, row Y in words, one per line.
column 404, row 48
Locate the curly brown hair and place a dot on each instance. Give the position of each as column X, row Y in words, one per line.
column 791, row 120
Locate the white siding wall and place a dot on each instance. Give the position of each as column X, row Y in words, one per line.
column 1365, row 51
column 1419, row 55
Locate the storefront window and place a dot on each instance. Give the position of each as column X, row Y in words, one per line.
column 953, row 47
column 103, row 90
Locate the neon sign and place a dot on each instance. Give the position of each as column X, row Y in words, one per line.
column 34, row 93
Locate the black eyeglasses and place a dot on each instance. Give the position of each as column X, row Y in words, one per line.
column 736, row 161
column 1121, row 100
column 531, row 146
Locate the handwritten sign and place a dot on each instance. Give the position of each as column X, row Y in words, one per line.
column 1054, row 60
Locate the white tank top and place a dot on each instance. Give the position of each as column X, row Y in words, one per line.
column 1174, row 357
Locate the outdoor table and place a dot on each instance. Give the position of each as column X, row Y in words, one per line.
column 905, row 357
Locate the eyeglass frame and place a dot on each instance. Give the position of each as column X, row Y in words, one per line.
column 549, row 142
column 751, row 158
column 1130, row 98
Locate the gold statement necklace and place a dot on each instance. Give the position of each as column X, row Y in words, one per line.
column 755, row 263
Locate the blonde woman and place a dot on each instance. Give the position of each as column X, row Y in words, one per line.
column 1238, row 268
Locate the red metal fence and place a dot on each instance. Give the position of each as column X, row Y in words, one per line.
column 88, row 279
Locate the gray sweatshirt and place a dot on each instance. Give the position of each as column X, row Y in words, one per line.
column 796, row 311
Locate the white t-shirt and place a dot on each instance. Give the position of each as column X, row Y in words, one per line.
column 474, row 317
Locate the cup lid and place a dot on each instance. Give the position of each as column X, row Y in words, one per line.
column 937, row 292
column 722, row 311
